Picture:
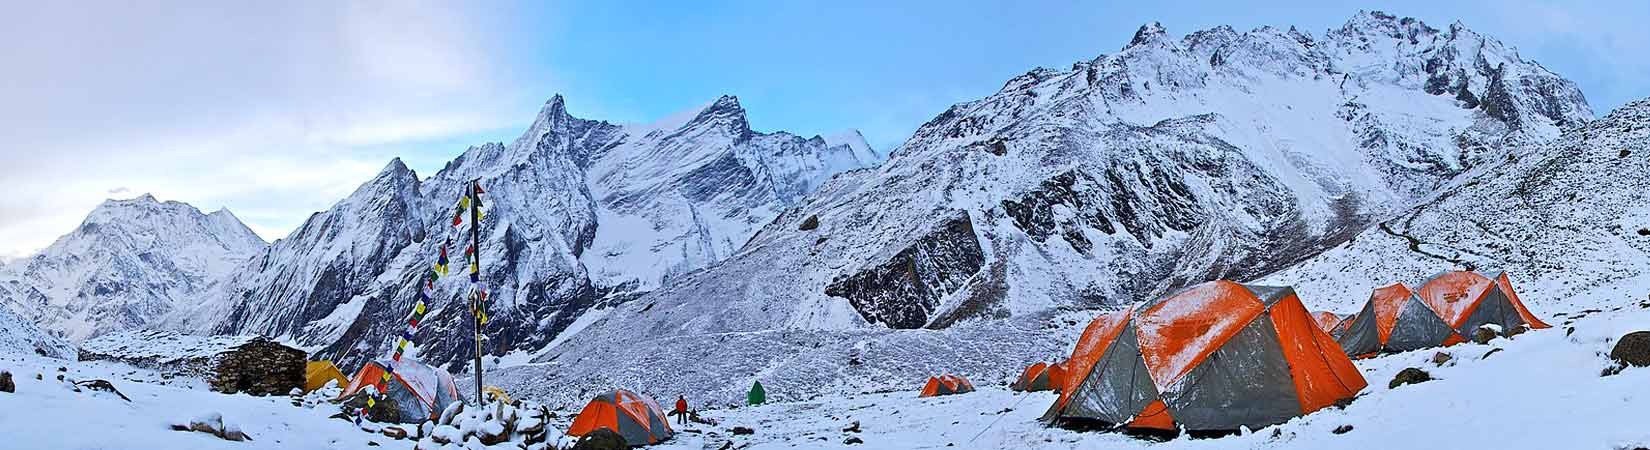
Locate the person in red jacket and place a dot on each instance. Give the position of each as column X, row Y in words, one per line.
column 681, row 409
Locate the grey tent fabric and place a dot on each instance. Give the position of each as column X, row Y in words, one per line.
column 1495, row 309
column 1270, row 295
column 1417, row 327
column 1118, row 387
column 1362, row 336
column 632, row 432
column 1244, row 383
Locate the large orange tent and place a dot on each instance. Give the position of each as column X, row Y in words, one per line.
column 1040, row 377
column 419, row 390
column 635, row 417
column 1467, row 300
column 946, row 385
column 1214, row 357
column 1394, row 320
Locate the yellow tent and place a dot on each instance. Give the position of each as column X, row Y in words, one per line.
column 317, row 373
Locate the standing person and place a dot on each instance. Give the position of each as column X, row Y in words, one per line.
column 681, row 409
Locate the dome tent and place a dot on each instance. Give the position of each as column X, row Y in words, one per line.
column 1214, row 357
column 635, row 417
column 1040, row 377
column 419, row 390
column 1394, row 320
column 946, row 385
column 1467, row 300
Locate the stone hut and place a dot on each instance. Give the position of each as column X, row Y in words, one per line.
column 254, row 365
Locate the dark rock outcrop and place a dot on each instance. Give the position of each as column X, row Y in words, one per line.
column 1409, row 376
column 904, row 291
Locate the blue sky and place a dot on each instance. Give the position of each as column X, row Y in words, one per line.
column 278, row 110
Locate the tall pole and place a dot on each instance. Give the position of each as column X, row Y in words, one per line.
column 475, row 294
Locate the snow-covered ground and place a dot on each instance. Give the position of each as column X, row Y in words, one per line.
column 47, row 414
column 1540, row 390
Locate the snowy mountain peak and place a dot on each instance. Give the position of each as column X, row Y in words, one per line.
column 1148, row 33
column 128, row 262
column 724, row 113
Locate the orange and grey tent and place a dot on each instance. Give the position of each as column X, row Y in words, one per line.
column 318, row 373
column 946, row 385
column 421, row 391
column 1039, row 377
column 635, row 417
column 1468, row 300
column 1395, row 320
column 1214, row 357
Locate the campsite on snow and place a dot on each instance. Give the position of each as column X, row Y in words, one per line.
column 1385, row 234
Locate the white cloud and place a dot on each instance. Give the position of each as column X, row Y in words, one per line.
column 273, row 109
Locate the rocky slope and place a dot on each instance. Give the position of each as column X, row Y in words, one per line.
column 1560, row 218
column 581, row 213
column 1217, row 155
column 128, row 264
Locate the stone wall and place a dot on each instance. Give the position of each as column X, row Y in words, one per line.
column 258, row 367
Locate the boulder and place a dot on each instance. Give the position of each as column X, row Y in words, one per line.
column 102, row 386
column 851, row 428
column 211, row 422
column 384, row 410
column 231, row 432
column 601, row 439
column 491, row 432
column 446, row 434
column 394, row 432
column 1441, row 358
column 1484, row 334
column 6, row 383
column 1633, row 349
column 738, row 431
column 1409, row 376
column 853, row 440
column 1518, row 330
column 809, row 223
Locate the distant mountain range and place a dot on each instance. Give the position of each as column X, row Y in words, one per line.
column 700, row 255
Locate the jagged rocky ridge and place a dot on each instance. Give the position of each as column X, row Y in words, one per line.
column 582, row 214
column 129, row 263
column 1174, row 161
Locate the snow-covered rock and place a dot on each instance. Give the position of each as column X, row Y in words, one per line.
column 1171, row 162
column 20, row 336
column 128, row 264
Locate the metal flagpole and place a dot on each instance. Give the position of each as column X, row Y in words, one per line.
column 475, row 294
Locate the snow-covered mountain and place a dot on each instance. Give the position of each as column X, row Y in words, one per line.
column 1174, row 161
column 581, row 213
column 128, row 264
column 20, row 336
column 1562, row 218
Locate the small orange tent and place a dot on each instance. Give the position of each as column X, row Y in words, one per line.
column 635, row 417
column 1467, row 300
column 1327, row 321
column 946, row 385
column 1214, row 357
column 1040, row 377
column 420, row 390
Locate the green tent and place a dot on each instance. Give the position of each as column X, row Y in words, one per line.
column 758, row 395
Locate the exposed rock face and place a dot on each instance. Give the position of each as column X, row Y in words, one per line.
column 902, row 292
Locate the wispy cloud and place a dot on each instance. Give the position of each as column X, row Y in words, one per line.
column 274, row 109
